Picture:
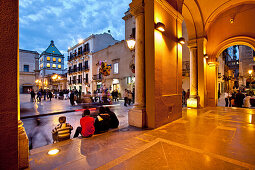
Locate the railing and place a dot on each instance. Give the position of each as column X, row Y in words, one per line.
column 97, row 77
column 79, row 81
column 85, row 68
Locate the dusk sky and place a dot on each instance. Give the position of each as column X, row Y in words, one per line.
column 66, row 21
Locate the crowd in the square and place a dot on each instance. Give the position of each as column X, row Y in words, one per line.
column 238, row 98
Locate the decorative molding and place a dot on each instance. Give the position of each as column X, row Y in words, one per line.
column 136, row 7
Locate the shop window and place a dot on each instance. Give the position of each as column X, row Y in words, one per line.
column 48, row 58
column 48, row 65
column 128, row 80
column 41, row 66
column 54, row 59
column 59, row 60
column 54, row 65
column 59, row 66
column 26, row 68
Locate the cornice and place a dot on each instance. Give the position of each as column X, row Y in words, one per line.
column 136, row 7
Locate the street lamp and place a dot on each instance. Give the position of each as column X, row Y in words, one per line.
column 131, row 43
column 250, row 72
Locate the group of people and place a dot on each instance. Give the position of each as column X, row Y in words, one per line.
column 128, row 97
column 41, row 93
column 105, row 120
column 237, row 99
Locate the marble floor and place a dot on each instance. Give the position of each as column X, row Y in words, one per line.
column 209, row 138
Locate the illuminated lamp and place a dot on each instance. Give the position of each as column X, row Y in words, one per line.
column 250, row 71
column 131, row 43
column 192, row 103
column 181, row 41
column 206, row 56
column 53, row 151
column 160, row 27
column 231, row 20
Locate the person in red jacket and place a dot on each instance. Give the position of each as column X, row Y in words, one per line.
column 87, row 128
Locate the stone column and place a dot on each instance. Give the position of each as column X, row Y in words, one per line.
column 14, row 142
column 193, row 100
column 136, row 115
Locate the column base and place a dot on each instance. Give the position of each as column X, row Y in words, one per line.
column 23, row 146
column 193, row 102
column 136, row 117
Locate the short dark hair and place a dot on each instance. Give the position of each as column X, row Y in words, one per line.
column 101, row 109
column 86, row 113
column 62, row 119
column 107, row 109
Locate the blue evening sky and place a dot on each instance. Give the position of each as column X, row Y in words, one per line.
column 67, row 21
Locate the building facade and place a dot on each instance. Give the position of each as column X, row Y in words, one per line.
column 28, row 70
column 121, row 75
column 80, row 56
column 51, row 62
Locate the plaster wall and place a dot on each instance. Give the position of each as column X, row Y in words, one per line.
column 117, row 53
column 129, row 24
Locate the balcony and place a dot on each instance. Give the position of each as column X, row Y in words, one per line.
column 85, row 68
column 86, row 81
column 79, row 81
column 97, row 77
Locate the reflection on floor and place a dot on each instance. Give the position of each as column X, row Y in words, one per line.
column 210, row 138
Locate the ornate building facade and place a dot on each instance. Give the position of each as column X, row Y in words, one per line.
column 80, row 60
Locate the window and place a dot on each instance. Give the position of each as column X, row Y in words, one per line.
column 133, row 32
column 48, row 64
column 86, row 65
column 59, row 66
column 41, row 59
column 59, row 60
column 41, row 66
column 80, row 50
column 115, row 68
column 26, row 68
column 48, row 58
column 86, row 47
column 54, row 59
column 54, row 65
column 80, row 67
column 87, row 78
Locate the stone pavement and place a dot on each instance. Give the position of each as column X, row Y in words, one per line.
column 209, row 138
column 44, row 107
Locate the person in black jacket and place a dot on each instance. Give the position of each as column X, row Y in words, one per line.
column 114, row 122
column 102, row 122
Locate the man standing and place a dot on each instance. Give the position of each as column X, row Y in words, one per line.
column 72, row 98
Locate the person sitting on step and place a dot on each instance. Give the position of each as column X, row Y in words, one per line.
column 62, row 131
column 87, row 128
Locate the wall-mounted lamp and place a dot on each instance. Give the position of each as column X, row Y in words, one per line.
column 160, row 27
column 231, row 20
column 206, row 56
column 181, row 40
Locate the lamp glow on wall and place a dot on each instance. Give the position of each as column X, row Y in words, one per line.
column 160, row 27
column 181, row 41
column 131, row 43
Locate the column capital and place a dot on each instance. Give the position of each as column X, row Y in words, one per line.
column 136, row 7
column 193, row 43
